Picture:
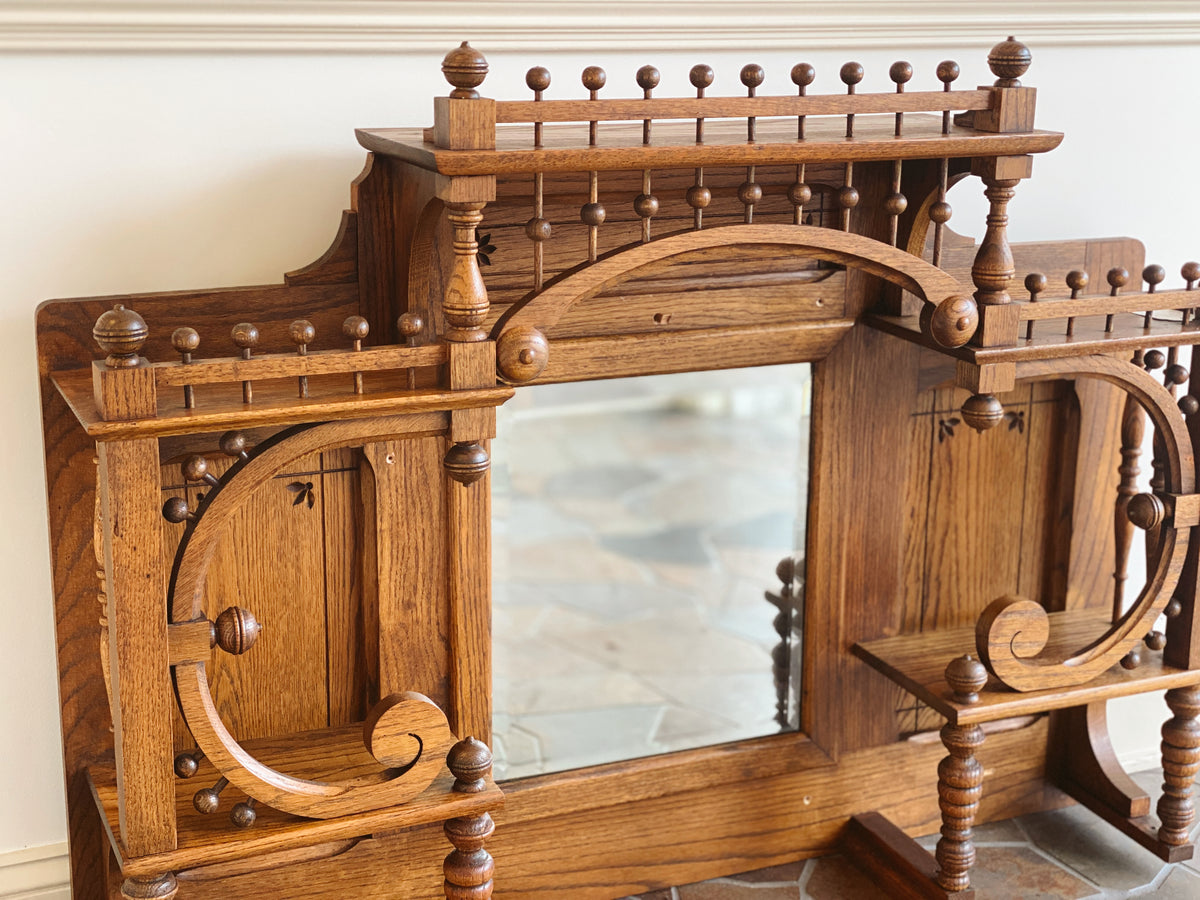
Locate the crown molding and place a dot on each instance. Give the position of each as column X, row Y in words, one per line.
column 390, row 26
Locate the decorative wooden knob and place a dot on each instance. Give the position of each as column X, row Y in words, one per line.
column 1077, row 280
column 1117, row 278
column 233, row 443
column 701, row 76
column 592, row 214
column 698, row 196
column 966, row 677
column 208, row 800
column 1175, row 374
column 645, row 205
column 185, row 340
column 750, row 193
column 648, row 78
column 799, row 193
column 952, row 322
column 803, row 74
column 467, row 462
column 947, row 72
column 1190, row 273
column 237, row 630
column 1146, row 511
column 410, row 325
column 538, row 230
column 537, row 78
column 752, row 76
column 1009, row 60
column 1189, row 405
column 1035, row 283
column 521, row 354
column 1155, row 640
column 1154, row 359
column 594, row 78
column 243, row 815
column 356, row 328
column 245, row 337
column 901, row 72
column 851, row 74
column 1153, row 275
column 1134, row 658
column 982, row 411
column 195, row 468
column 1173, row 608
column 847, row 197
column 464, row 68
column 187, row 764
column 176, row 510
column 121, row 333
column 940, row 212
column 470, row 762
column 785, row 570
column 302, row 334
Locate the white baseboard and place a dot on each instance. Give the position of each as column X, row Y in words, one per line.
column 36, row 873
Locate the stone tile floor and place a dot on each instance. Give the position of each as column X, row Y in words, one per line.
column 1064, row 854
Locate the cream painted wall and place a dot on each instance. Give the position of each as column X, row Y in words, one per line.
column 144, row 171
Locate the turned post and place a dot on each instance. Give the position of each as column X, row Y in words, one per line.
column 1133, row 425
column 1181, row 763
column 960, row 779
column 469, row 867
column 164, row 887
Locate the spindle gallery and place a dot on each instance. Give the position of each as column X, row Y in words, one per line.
column 206, row 451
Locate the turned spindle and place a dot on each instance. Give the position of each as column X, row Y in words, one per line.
column 895, row 203
column 751, row 76
column 940, row 211
column 1133, row 426
column 175, row 510
column 698, row 196
column 468, row 869
column 593, row 213
column 851, row 74
column 901, row 73
column 537, row 80
column 1153, row 275
column 594, row 78
column 1117, row 277
column 237, row 630
column 648, row 78
column 1191, row 274
column 356, row 328
column 195, row 468
column 1181, row 762
column 185, row 341
column 1035, row 283
column 302, row 334
column 947, row 74
column 847, row 196
column 187, row 764
column 960, row 786
column 208, row 800
column 245, row 338
column 646, row 204
column 243, row 814
column 781, row 653
column 233, row 443
column 537, row 229
column 802, row 76
column 1077, row 280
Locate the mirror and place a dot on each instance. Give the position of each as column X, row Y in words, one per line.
column 637, row 525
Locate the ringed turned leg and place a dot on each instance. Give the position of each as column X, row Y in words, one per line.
column 960, row 785
column 1181, row 762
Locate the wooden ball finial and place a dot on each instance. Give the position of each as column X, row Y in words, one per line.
column 947, row 72
column 1155, row 640
column 470, row 762
column 752, row 75
column 1117, row 278
column 1190, row 273
column 1077, row 280
column 1035, row 283
column 594, row 78
column 851, row 74
column 701, row 76
column 194, row 468
column 464, row 68
column 537, row 78
column 237, row 630
column 243, row 815
column 356, row 328
column 1146, row 511
column 207, row 801
column 940, row 212
column 1154, row 359
column 953, row 321
column 233, row 443
column 521, row 354
column 982, row 411
column 1189, row 405
column 648, row 78
column 121, row 333
column 175, row 510
column 966, row 677
column 1153, row 275
column 1175, row 374
column 901, row 72
column 785, row 570
column 302, row 332
column 245, row 335
column 185, row 340
column 467, row 462
column 410, row 325
column 186, row 765
column 1134, row 658
column 1009, row 60
column 803, row 74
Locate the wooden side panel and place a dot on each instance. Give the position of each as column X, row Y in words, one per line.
column 345, row 625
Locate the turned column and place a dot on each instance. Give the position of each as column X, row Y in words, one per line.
column 165, row 887
column 1181, row 763
column 960, row 785
column 469, row 867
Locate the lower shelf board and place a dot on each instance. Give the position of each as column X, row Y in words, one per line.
column 212, row 839
column 917, row 662
column 895, row 861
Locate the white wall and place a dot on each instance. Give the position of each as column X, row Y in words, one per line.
column 131, row 171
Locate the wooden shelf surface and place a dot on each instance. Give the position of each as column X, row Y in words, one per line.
column 333, row 754
column 917, row 662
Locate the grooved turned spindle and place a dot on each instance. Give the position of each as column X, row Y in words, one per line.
column 960, row 785
column 1181, row 762
column 465, row 300
column 1133, row 424
column 302, row 334
column 1035, row 283
column 901, row 73
column 802, row 76
column 1077, row 280
column 185, row 341
column 469, row 868
column 993, row 267
column 699, row 196
column 851, row 74
column 245, row 338
column 356, row 328
column 1153, row 275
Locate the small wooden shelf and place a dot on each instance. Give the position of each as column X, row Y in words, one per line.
column 917, row 662
column 205, row 840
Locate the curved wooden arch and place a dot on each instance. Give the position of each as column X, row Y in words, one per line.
column 543, row 310
column 1012, row 624
column 300, row 796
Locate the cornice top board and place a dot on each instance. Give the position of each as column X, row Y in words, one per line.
column 362, row 26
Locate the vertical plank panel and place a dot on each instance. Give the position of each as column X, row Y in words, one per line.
column 469, row 532
column 344, row 624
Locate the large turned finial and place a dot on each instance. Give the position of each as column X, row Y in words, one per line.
column 120, row 332
column 982, row 411
column 470, row 761
column 465, row 68
column 1009, row 60
column 237, row 630
column 966, row 677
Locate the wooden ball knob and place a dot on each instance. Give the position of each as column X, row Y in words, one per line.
column 410, row 324
column 186, row 765
column 1156, row 640
column 302, row 332
column 1077, row 280
column 1175, row 374
column 1173, row 608
column 207, row 801
column 1153, row 275
column 785, row 570
column 592, row 214
column 952, row 322
column 750, row 192
column 356, row 328
column 1117, row 277
column 752, row 75
column 1189, row 405
column 594, row 78
column 185, row 340
column 1035, row 283
column 244, row 335
column 982, row 411
column 1146, row 511
column 466, row 462
column 966, row 677
column 176, row 510
column 233, row 443
column 895, row 204
column 847, row 197
column 1154, row 359
column 243, row 815
column 698, row 196
column 537, row 78
column 121, row 333
column 538, row 229
column 464, row 68
column 851, row 73
column 645, row 205
column 521, row 354
column 648, row 78
column 1009, row 60
column 947, row 72
column 803, row 74
column 940, row 212
column 470, row 762
column 1134, row 658
column 799, row 193
column 701, row 76
column 901, row 72
column 1190, row 272
column 237, row 630
column 194, row 468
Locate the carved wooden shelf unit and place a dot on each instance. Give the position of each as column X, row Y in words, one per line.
column 344, row 431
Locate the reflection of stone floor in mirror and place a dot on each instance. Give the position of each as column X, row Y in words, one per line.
column 631, row 553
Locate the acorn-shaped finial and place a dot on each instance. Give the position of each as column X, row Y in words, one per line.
column 1009, row 60
column 120, row 332
column 966, row 677
column 465, row 68
column 470, row 761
